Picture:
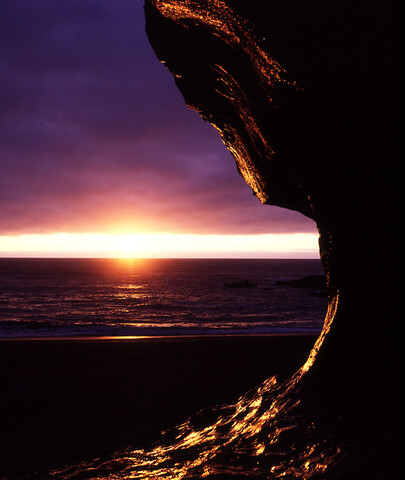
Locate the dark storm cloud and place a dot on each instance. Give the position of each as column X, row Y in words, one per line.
column 95, row 136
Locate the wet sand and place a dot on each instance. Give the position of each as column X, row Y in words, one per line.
column 63, row 401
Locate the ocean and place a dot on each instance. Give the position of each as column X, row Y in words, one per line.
column 157, row 297
column 145, row 362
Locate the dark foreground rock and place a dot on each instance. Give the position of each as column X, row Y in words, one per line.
column 306, row 97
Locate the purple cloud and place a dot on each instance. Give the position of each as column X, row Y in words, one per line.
column 94, row 134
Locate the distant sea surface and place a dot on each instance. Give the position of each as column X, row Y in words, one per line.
column 143, row 297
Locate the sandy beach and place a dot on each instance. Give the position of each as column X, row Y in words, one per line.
column 64, row 401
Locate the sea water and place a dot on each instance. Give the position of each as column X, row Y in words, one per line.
column 142, row 297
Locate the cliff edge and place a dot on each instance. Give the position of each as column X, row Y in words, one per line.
column 305, row 95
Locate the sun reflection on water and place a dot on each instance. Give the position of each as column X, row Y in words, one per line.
column 262, row 436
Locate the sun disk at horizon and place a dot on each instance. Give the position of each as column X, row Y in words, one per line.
column 144, row 245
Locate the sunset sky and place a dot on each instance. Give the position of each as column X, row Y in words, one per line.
column 99, row 156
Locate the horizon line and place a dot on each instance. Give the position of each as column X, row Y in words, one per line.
column 242, row 257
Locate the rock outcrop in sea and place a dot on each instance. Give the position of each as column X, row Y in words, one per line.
column 240, row 284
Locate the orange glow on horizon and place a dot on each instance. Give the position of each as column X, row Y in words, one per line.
column 159, row 245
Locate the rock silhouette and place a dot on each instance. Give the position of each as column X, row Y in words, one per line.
column 311, row 281
column 305, row 96
column 240, row 284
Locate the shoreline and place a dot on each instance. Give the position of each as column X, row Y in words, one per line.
column 78, row 338
column 65, row 401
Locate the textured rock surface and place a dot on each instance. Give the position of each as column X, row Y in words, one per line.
column 305, row 96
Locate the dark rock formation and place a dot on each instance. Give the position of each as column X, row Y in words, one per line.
column 305, row 96
column 241, row 284
column 311, row 281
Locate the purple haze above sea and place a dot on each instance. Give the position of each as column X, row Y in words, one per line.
column 95, row 136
